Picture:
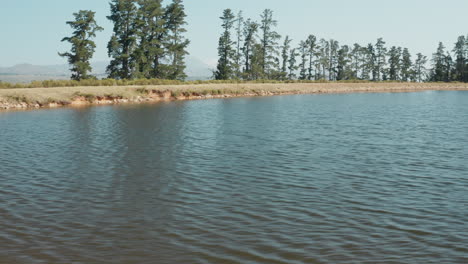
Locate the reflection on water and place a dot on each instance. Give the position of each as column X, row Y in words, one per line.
column 364, row 178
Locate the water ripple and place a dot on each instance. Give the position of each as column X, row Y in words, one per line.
column 361, row 178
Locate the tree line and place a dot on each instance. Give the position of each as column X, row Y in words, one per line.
column 147, row 42
column 252, row 50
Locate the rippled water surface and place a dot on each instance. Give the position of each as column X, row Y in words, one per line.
column 357, row 178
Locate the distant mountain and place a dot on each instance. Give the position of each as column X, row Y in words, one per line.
column 29, row 69
column 197, row 69
column 24, row 73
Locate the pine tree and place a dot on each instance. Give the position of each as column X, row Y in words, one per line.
column 250, row 29
column 355, row 58
column 285, row 49
column 394, row 63
column 176, row 43
column 292, row 67
column 420, row 67
column 150, row 53
column 303, row 47
column 344, row 72
column 460, row 51
column 123, row 42
column 371, row 62
column 238, row 55
column 448, row 64
column 225, row 50
column 269, row 42
column 333, row 59
column 380, row 52
column 466, row 61
column 311, row 43
column 256, row 71
column 324, row 58
column 406, row 65
column 85, row 28
column 438, row 72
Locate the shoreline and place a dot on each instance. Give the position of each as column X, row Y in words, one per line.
column 36, row 98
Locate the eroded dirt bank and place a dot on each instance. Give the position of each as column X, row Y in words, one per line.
column 80, row 96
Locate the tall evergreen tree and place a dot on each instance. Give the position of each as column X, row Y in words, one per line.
column 343, row 69
column 420, row 67
column 176, row 42
column 406, row 65
column 123, row 41
column 292, row 67
column 285, row 56
column 225, row 50
column 85, row 28
column 438, row 72
column 333, row 59
column 448, row 67
column 256, row 71
column 355, row 58
column 250, row 30
column 239, row 34
column 324, row 58
column 303, row 52
column 380, row 55
column 394, row 61
column 152, row 33
column 311, row 43
column 371, row 62
column 466, row 62
column 269, row 41
column 460, row 51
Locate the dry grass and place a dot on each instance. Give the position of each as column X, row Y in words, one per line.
column 67, row 94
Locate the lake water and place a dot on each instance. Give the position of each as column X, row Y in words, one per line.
column 348, row 178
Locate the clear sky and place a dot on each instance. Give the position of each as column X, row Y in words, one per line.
column 31, row 30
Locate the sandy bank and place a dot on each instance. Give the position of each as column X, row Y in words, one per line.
column 79, row 96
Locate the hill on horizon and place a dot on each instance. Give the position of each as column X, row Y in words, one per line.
column 25, row 72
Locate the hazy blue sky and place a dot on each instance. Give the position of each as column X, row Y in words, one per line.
column 31, row 30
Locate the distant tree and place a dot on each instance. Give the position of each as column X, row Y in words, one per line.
column 256, row 71
column 371, row 62
column 366, row 60
column 324, row 58
column 269, row 41
column 311, row 43
column 239, row 35
column 461, row 59
column 303, row 52
column 292, row 67
column 355, row 60
column 420, row 67
column 394, row 61
column 250, row 30
column 344, row 71
column 123, row 42
column 406, row 65
column 85, row 28
column 448, row 67
column 380, row 56
column 152, row 34
column 333, row 59
column 225, row 50
column 176, row 43
column 438, row 72
column 466, row 62
column 285, row 50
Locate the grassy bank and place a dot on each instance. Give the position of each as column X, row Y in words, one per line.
column 144, row 82
column 14, row 98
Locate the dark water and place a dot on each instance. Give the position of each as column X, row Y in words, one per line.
column 359, row 178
